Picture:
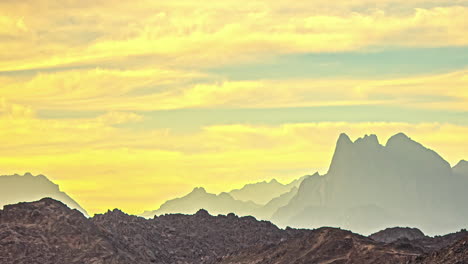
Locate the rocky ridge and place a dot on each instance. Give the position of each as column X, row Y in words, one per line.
column 47, row 231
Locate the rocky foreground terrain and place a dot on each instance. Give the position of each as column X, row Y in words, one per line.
column 47, row 231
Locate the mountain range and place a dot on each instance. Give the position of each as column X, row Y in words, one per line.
column 49, row 232
column 368, row 187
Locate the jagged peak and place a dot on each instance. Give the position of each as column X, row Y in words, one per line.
column 274, row 181
column 316, row 174
column 368, row 139
column 200, row 190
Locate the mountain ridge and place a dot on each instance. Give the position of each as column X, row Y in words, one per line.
column 47, row 231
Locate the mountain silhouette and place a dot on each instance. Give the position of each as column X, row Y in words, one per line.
column 200, row 199
column 260, row 199
column 370, row 186
column 26, row 188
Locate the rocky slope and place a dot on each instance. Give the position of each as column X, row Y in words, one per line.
column 393, row 234
column 47, row 231
column 324, row 246
column 456, row 253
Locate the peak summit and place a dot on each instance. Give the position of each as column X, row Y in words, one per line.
column 398, row 139
column 343, row 138
column 368, row 139
column 199, row 190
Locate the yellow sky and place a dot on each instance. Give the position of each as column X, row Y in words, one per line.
column 87, row 89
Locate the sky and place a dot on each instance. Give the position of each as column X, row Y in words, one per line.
column 129, row 103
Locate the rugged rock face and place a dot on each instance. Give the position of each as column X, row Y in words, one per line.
column 199, row 238
column 390, row 235
column 456, row 253
column 324, row 245
column 47, row 231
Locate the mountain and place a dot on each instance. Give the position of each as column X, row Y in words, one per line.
column 260, row 199
column 263, row 192
column 200, row 199
column 27, row 188
column 370, row 186
column 47, row 231
column 393, row 234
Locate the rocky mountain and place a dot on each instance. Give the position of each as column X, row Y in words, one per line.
column 263, row 192
column 26, row 188
column 198, row 199
column 370, row 186
column 48, row 232
column 324, row 245
column 456, row 253
column 393, row 234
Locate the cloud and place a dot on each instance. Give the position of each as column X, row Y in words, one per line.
column 185, row 33
column 14, row 111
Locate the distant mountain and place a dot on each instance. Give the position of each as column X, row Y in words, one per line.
column 263, row 192
column 200, row 199
column 47, row 231
column 260, row 200
column 370, row 186
column 27, row 188
column 267, row 211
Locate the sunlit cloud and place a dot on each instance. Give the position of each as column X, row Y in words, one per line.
column 185, row 33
